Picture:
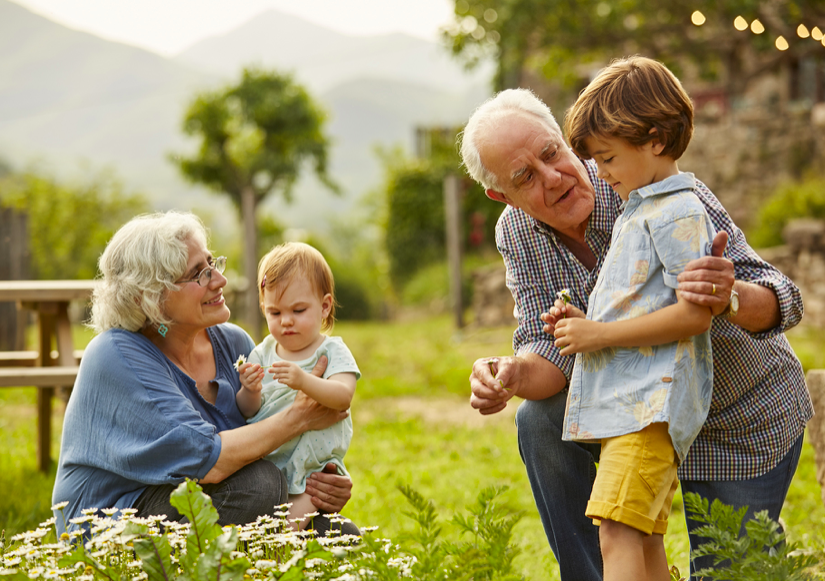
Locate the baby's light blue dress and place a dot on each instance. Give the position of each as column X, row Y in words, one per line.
column 617, row 390
column 313, row 450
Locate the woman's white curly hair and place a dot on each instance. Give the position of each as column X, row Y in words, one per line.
column 139, row 266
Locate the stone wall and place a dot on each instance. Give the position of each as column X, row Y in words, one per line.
column 744, row 154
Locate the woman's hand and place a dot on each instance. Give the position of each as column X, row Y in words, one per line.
column 311, row 415
column 329, row 490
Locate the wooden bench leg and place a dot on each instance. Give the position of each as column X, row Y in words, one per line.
column 44, row 428
column 44, row 394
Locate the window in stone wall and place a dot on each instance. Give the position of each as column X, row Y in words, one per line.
column 807, row 80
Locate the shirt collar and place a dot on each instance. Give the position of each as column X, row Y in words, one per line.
column 679, row 182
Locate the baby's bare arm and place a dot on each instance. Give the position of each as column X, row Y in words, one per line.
column 335, row 392
column 249, row 396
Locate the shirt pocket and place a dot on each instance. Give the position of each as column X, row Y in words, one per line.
column 631, row 258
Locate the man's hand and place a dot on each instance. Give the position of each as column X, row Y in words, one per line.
column 707, row 281
column 577, row 335
column 492, row 383
column 329, row 490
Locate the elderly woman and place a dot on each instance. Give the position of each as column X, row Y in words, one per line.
column 154, row 400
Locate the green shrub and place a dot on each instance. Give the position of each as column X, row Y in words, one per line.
column 414, row 228
column 804, row 199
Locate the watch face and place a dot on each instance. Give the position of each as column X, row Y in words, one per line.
column 734, row 303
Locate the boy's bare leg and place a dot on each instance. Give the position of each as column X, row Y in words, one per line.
column 623, row 551
column 656, row 558
column 301, row 505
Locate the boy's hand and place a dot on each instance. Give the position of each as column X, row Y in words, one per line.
column 251, row 375
column 288, row 373
column 560, row 310
column 577, row 335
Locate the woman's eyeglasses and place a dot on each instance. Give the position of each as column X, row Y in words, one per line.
column 205, row 275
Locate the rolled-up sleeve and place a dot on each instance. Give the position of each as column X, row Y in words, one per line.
column 531, row 292
column 750, row 267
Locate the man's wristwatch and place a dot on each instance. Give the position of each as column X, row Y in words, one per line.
column 733, row 306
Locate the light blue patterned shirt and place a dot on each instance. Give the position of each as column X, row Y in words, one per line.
column 620, row 390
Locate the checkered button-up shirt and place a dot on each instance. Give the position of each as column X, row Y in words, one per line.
column 760, row 401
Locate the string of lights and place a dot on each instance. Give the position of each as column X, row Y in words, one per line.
column 756, row 27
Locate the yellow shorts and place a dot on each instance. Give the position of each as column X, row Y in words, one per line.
column 636, row 480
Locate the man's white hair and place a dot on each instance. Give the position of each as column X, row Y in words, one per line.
column 139, row 266
column 487, row 118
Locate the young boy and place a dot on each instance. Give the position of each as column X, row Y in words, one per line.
column 643, row 375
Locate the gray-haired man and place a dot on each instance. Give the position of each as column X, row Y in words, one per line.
column 554, row 235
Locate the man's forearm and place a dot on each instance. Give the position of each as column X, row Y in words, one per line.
column 758, row 308
column 538, row 378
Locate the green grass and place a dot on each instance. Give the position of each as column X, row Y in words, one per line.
column 413, row 425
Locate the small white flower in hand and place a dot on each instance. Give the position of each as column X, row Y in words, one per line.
column 564, row 296
column 241, row 360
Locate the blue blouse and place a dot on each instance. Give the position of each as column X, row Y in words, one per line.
column 620, row 390
column 135, row 419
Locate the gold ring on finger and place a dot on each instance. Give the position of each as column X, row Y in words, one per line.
column 713, row 290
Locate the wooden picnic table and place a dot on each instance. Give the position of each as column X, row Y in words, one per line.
column 50, row 299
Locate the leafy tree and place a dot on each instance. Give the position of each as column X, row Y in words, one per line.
column 255, row 138
column 69, row 225
column 556, row 39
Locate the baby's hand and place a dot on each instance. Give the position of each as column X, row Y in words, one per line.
column 288, row 373
column 251, row 375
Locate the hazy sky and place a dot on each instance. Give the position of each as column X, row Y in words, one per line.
column 169, row 26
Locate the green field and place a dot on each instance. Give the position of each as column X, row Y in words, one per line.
column 413, row 426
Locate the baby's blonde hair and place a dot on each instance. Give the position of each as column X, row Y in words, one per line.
column 290, row 260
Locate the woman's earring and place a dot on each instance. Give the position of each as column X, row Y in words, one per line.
column 162, row 330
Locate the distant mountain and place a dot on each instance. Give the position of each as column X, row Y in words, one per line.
column 67, row 96
column 321, row 58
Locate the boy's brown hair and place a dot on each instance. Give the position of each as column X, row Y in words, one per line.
column 626, row 100
column 290, row 260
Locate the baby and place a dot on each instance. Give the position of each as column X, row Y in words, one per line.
column 297, row 299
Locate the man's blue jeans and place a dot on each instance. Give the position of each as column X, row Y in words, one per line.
column 562, row 473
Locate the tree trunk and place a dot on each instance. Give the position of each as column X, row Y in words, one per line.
column 252, row 317
column 816, row 427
